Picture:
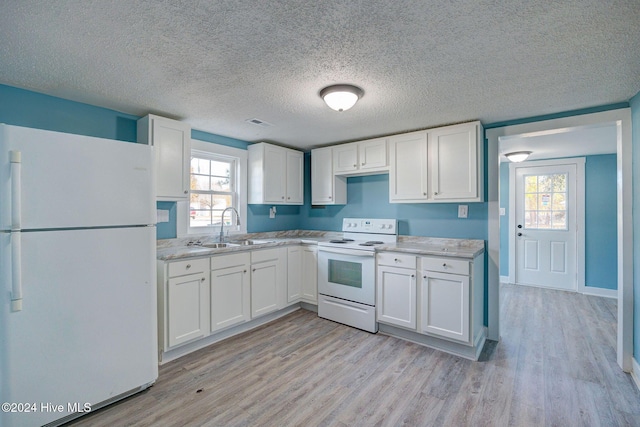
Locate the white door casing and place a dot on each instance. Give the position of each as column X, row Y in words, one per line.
column 547, row 223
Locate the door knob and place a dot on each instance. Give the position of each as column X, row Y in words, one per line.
column 519, row 225
column 519, row 234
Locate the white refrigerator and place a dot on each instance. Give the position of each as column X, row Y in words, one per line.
column 77, row 274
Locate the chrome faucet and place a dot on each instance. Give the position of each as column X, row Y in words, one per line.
column 222, row 221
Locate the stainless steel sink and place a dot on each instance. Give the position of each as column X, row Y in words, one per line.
column 216, row 245
column 249, row 242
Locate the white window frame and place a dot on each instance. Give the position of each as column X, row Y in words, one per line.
column 183, row 208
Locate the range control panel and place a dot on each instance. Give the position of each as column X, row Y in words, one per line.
column 368, row 225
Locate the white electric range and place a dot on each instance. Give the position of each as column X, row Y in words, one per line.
column 346, row 272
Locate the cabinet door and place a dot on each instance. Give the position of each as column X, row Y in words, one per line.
column 397, row 296
column 373, row 154
column 172, row 142
column 310, row 274
column 454, row 163
column 294, row 185
column 408, row 168
column 275, row 174
column 321, row 176
column 230, row 297
column 294, row 273
column 188, row 313
column 264, row 288
column 444, row 307
column 345, row 158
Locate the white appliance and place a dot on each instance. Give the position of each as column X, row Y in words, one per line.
column 77, row 274
column 346, row 272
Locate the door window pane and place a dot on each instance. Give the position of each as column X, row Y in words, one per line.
column 545, row 205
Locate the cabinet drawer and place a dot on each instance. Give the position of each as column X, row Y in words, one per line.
column 190, row 266
column 232, row 260
column 264, row 255
column 446, row 265
column 397, row 260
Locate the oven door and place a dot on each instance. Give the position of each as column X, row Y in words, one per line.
column 348, row 274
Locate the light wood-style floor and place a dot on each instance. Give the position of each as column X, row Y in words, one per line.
column 554, row 366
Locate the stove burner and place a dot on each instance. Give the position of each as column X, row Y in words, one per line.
column 371, row 243
column 341, row 241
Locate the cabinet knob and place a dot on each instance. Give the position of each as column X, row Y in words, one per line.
column 244, row 271
column 424, row 194
column 413, row 275
column 355, row 166
column 202, row 280
column 519, row 234
column 362, row 163
column 396, row 260
column 186, row 191
column 329, row 196
column 444, row 264
column 435, row 194
column 188, row 266
column 253, row 270
column 282, row 197
column 424, row 277
column 288, row 198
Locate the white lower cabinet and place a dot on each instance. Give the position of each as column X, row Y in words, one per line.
column 294, row 273
column 310, row 274
column 396, row 290
column 445, row 305
column 265, row 282
column 184, row 310
column 230, row 290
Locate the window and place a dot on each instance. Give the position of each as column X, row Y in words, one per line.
column 213, row 189
column 216, row 183
column 545, row 203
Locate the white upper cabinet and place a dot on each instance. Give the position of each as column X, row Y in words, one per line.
column 172, row 144
column 455, row 154
column 275, row 175
column 408, row 168
column 326, row 188
column 441, row 165
column 361, row 158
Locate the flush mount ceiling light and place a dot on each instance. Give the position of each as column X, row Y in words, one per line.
column 341, row 97
column 518, row 156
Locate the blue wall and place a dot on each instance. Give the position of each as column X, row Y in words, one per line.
column 635, row 123
column 601, row 238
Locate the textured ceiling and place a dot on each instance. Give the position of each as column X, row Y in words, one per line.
column 422, row 64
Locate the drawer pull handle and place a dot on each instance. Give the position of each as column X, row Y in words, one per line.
column 188, row 266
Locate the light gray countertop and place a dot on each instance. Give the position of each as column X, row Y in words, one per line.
column 175, row 249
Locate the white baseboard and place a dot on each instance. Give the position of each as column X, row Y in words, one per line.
column 599, row 292
column 635, row 371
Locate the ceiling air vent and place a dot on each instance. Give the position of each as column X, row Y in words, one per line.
column 258, row 122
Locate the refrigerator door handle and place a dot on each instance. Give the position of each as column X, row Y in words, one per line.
column 16, row 187
column 16, row 271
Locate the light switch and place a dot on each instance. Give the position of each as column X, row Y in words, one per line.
column 503, row 211
column 463, row 211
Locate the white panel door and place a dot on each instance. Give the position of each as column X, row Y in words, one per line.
column 545, row 226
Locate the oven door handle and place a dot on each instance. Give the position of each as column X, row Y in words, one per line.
column 353, row 252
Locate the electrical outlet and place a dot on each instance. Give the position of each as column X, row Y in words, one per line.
column 463, row 211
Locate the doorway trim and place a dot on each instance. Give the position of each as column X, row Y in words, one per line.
column 579, row 162
column 622, row 119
